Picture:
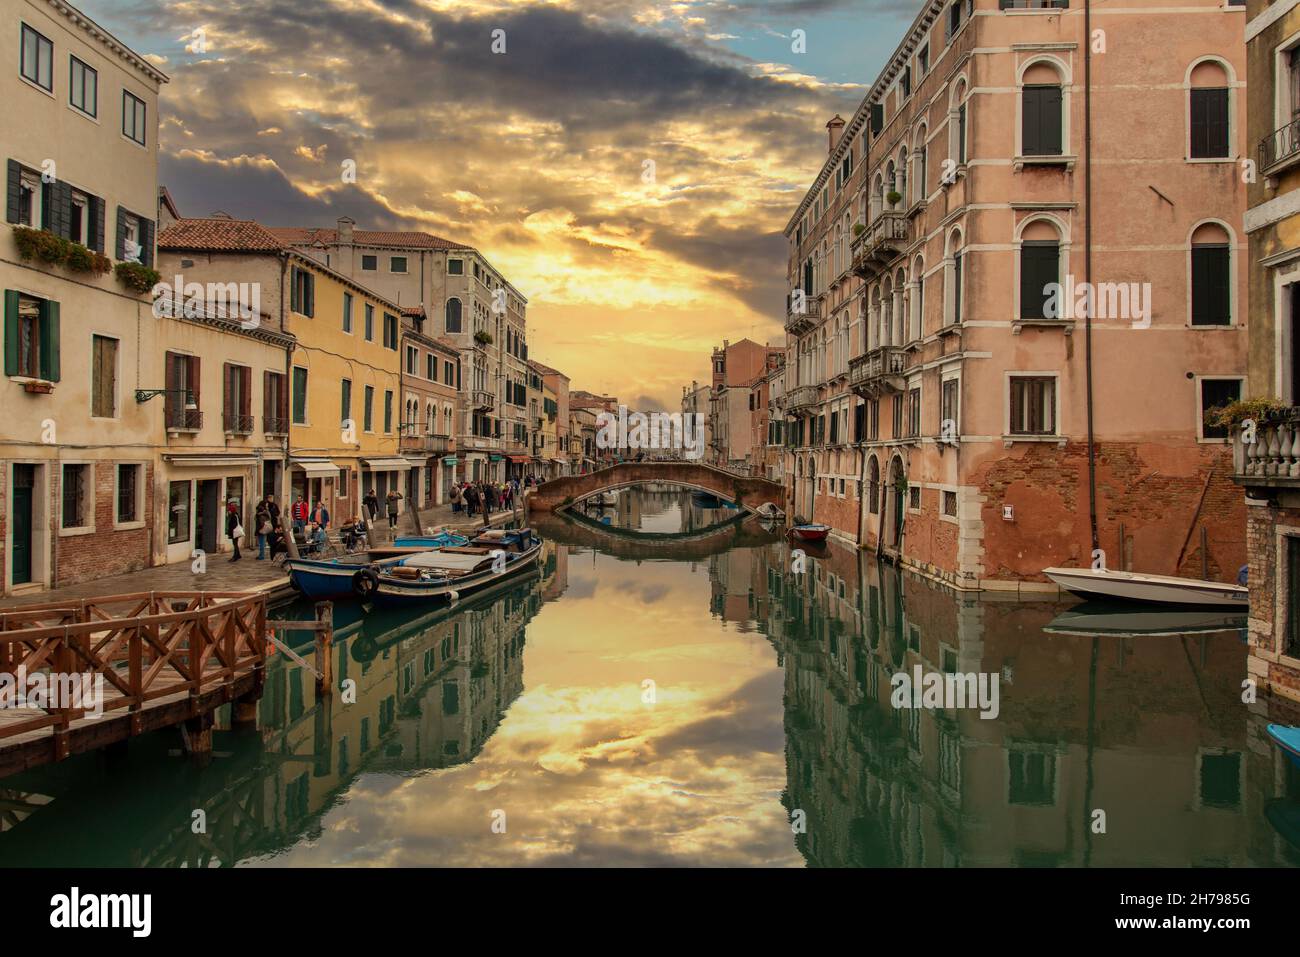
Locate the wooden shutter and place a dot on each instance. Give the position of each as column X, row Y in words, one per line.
column 877, row 118
column 50, row 340
column 146, row 241
column 245, row 391
column 1041, row 130
column 1039, row 266
column 171, row 401
column 282, row 400
column 192, row 363
column 1209, row 123
column 120, row 248
column 228, row 409
column 294, row 303
column 103, row 373
column 59, row 196
column 97, row 210
column 1211, row 299
column 299, row 395
column 14, row 193
column 267, row 412
column 11, row 332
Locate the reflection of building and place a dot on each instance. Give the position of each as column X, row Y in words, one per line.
column 1152, row 733
column 940, row 391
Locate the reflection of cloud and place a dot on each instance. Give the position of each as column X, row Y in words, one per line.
column 536, row 156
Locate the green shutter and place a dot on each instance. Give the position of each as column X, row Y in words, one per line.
column 50, row 341
column 293, row 290
column 299, row 396
column 11, row 332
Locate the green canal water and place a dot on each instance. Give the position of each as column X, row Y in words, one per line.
column 665, row 691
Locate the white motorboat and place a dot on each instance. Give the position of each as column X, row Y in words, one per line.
column 1128, row 620
column 1155, row 589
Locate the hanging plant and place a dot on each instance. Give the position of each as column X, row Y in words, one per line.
column 56, row 251
column 859, row 229
column 894, row 197
column 483, row 337
column 137, row 277
column 1260, row 409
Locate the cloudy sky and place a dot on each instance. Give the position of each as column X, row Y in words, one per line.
column 539, row 156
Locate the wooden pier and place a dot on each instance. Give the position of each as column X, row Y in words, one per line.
column 165, row 659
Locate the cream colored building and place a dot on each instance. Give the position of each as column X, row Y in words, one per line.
column 80, row 144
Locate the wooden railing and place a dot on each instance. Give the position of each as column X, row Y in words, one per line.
column 145, row 647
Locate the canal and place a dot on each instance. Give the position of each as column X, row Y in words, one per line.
column 666, row 690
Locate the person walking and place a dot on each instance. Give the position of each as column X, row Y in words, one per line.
column 394, row 496
column 371, row 503
column 234, row 529
column 299, row 513
column 262, row 523
column 274, row 510
column 321, row 515
column 455, row 499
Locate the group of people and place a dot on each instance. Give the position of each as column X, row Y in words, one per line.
column 484, row 498
column 308, row 522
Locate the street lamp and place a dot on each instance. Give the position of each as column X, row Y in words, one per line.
column 144, row 395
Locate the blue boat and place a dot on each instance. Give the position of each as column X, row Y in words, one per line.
column 445, row 575
column 1288, row 739
column 336, row 577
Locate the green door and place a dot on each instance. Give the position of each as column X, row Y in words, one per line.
column 21, row 556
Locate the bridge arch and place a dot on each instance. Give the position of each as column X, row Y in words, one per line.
column 745, row 491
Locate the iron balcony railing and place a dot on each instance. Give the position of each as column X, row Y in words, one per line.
column 236, row 424
column 1280, row 145
column 185, row 420
column 275, row 425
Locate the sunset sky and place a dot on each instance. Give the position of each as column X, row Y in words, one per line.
column 534, row 156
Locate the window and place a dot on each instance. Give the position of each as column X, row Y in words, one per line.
column 129, row 246
column 1040, row 267
column 1220, row 784
column 182, row 382
column 346, row 412
column 397, row 264
column 274, row 404
column 1032, row 777
column 369, row 263
column 76, row 496
column 1215, row 394
column 347, row 312
column 79, row 219
column 237, row 399
column 453, row 315
column 1211, row 280
column 431, row 368
column 923, row 61
column 83, row 87
column 369, row 410
column 178, row 513
column 128, row 491
column 390, row 331
column 948, row 398
column 299, row 395
column 133, row 117
column 914, row 497
column 1041, row 119
column 302, row 293
column 950, row 504
column 456, row 267
column 37, row 59
column 913, row 413
column 896, row 416
column 388, row 410
column 103, row 377
column 31, row 336
column 370, row 323
column 412, row 360
column 1292, row 623
column 1033, row 405
column 448, row 373
column 1209, row 113
column 29, row 211
column 344, row 480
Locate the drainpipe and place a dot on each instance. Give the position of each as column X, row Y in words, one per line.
column 1087, row 262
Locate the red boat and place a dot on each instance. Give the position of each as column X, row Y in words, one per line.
column 810, row 532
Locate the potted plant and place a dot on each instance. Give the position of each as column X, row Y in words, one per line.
column 137, row 277
column 1261, row 410
column 859, row 229
column 894, row 197
column 483, row 337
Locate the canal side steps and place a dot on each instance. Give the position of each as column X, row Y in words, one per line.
column 161, row 659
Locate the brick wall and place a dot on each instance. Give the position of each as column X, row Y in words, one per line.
column 105, row 551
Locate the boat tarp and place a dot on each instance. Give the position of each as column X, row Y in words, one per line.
column 451, row 561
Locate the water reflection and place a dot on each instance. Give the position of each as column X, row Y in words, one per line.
column 678, row 700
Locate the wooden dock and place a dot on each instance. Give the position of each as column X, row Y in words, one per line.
column 164, row 658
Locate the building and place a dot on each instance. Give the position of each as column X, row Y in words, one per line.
column 78, row 489
column 558, row 384
column 344, row 381
column 582, row 439
column 543, row 411
column 469, row 303
column 696, row 402
column 1264, row 448
column 943, row 376
column 736, row 369
column 430, row 410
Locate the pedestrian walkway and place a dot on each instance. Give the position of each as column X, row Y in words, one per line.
column 248, row 574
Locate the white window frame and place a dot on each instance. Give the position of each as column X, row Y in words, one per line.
column 1200, row 410
column 1058, row 436
column 88, row 502
column 92, row 72
column 139, row 494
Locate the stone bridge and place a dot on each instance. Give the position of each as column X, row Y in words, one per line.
column 746, row 492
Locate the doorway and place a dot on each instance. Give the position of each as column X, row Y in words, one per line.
column 21, row 552
column 207, row 523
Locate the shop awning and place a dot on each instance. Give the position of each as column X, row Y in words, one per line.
column 209, row 461
column 494, row 458
column 387, row 465
column 318, row 468
column 517, row 459
column 449, row 460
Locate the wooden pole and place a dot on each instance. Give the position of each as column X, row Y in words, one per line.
column 324, row 648
column 1205, row 554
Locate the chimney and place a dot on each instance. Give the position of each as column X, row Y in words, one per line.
column 834, row 128
column 345, row 230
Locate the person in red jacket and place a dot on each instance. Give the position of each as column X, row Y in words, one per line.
column 299, row 512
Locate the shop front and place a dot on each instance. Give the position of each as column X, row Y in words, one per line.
column 195, row 491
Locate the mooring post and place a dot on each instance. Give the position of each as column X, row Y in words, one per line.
column 196, row 733
column 324, row 648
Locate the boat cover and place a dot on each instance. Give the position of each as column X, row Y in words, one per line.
column 452, row 561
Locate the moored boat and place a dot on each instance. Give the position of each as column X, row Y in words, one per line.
column 1128, row 620
column 447, row 574
column 1288, row 739
column 333, row 577
column 1156, row 589
column 810, row 532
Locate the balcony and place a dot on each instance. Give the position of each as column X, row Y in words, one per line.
column 435, row 444
column 880, row 371
column 481, row 442
column 184, row 420
column 1273, row 459
column 274, row 425
column 236, row 424
column 1280, row 149
column 802, row 397
column 482, row 401
column 797, row 323
column 880, row 243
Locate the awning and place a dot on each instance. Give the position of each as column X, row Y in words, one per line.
column 449, row 460
column 494, row 458
column 387, row 465
column 209, row 461
column 517, row 459
column 316, row 468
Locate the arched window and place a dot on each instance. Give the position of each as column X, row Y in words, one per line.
column 430, row 418
column 1209, row 121
column 891, row 184
column 952, row 278
column 873, row 485
column 957, row 120
column 453, row 315
column 918, row 297
column 1042, row 110
column 1211, row 279
column 877, row 197
column 900, row 310
column 920, row 174
column 886, row 312
column 1040, row 269
column 900, row 182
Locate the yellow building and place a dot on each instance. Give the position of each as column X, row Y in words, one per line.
column 80, row 146
column 343, row 377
